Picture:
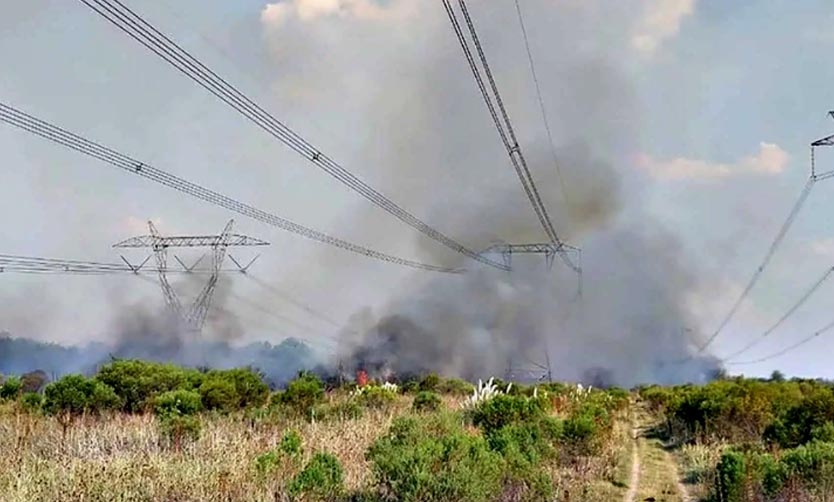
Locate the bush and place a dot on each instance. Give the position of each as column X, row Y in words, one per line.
column 580, row 435
column 320, row 480
column 301, row 394
column 266, row 462
column 11, row 388
column 429, row 383
column 810, row 466
column 177, row 402
column 455, row 387
column 31, row 402
column 289, row 448
column 218, row 394
column 799, row 423
column 502, row 410
column 234, row 389
column 75, row 394
column 426, row 401
column 434, row 460
column 376, row 397
column 533, row 441
column 137, row 382
column 291, row 443
column 730, row 473
column 811, row 462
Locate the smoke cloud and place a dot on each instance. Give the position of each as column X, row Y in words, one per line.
column 390, row 97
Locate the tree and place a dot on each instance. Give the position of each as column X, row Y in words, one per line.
column 75, row 395
column 777, row 376
column 10, row 388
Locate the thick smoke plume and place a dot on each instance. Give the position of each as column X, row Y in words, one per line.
column 389, row 95
column 630, row 324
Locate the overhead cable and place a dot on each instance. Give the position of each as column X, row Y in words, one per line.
column 160, row 44
column 75, row 142
column 774, row 246
column 495, row 106
column 542, row 108
column 786, row 350
column 784, row 317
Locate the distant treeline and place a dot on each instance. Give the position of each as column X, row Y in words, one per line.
column 278, row 363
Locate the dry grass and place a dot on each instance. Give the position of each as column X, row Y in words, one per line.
column 123, row 457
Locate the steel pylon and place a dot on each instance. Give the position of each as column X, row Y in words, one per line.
column 194, row 317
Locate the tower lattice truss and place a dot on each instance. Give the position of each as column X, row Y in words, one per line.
column 194, row 315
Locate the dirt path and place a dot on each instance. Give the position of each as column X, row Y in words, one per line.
column 654, row 472
column 634, row 479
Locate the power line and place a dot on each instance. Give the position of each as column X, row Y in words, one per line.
column 67, row 139
column 502, row 124
column 280, row 317
column 786, row 350
column 787, row 314
column 34, row 264
column 780, row 236
column 546, row 122
column 288, row 298
column 160, row 44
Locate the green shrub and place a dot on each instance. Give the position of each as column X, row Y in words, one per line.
column 320, row 480
column 75, row 394
column 810, row 462
column 31, row 402
column 266, row 462
column 434, row 460
column 426, row 401
column 534, row 441
column 503, row 410
column 376, row 397
column 797, row 424
column 301, row 394
column 234, row 389
column 289, row 449
column 824, row 432
column 730, row 473
column 291, row 443
column 11, row 388
column 177, row 402
column 429, row 383
column 218, row 394
column 581, row 435
column 137, row 382
column 455, row 387
column 410, row 386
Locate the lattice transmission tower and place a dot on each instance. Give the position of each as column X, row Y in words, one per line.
column 194, row 316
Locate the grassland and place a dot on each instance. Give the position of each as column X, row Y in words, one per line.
column 554, row 443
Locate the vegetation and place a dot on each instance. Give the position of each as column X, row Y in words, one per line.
column 755, row 439
column 220, row 435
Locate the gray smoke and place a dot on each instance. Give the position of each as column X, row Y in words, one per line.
column 631, row 323
column 393, row 101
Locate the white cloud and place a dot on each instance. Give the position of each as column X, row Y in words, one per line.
column 661, row 20
column 277, row 13
column 769, row 160
column 823, row 247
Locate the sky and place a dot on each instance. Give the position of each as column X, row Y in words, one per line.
column 705, row 109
